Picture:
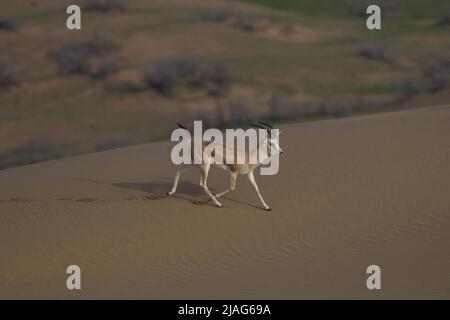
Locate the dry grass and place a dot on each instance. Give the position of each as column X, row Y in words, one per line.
column 247, row 57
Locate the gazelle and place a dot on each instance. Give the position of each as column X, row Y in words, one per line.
column 246, row 168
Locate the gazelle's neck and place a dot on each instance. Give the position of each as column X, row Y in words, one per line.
column 261, row 153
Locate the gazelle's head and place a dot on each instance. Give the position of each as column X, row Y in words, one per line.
column 274, row 145
column 272, row 140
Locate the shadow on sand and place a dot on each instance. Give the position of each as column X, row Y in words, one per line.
column 186, row 190
column 184, row 187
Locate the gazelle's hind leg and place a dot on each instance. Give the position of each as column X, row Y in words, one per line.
column 233, row 176
column 180, row 169
column 255, row 186
column 205, row 170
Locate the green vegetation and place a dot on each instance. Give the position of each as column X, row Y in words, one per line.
column 347, row 8
column 137, row 68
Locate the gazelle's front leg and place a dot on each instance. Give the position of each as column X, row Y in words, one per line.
column 205, row 170
column 180, row 170
column 233, row 176
column 255, row 186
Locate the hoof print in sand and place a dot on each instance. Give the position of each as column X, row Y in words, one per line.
column 200, row 202
column 156, row 196
column 79, row 199
column 19, row 199
column 86, row 200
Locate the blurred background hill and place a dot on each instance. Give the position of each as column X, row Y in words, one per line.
column 137, row 67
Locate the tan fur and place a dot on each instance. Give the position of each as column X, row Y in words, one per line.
column 244, row 169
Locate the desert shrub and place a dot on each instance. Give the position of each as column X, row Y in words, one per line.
column 100, row 45
column 250, row 23
column 167, row 74
column 348, row 106
column 336, row 108
column 216, row 16
column 83, row 57
column 282, row 108
column 71, row 59
column 211, row 118
column 246, row 22
column 363, row 104
column 8, row 24
column 31, row 152
column 434, row 79
column 435, row 76
column 163, row 76
column 7, row 77
column 359, row 8
column 444, row 21
column 188, row 67
column 276, row 109
column 105, row 69
column 238, row 20
column 238, row 110
column 218, row 80
column 406, row 90
column 375, row 51
column 287, row 28
column 106, row 5
column 36, row 151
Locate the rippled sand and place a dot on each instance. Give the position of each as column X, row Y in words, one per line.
column 350, row 193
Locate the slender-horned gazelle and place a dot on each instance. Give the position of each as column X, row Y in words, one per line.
column 246, row 168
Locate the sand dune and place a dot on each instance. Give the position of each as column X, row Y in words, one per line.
column 350, row 193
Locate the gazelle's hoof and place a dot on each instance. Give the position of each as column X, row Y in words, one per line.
column 268, row 209
column 220, row 205
column 170, row 193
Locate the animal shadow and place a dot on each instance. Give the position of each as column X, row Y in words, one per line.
column 186, row 190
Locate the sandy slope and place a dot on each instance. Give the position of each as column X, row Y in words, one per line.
column 350, row 193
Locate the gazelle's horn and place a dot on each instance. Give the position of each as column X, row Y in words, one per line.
column 262, row 127
column 268, row 125
column 181, row 126
column 257, row 126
